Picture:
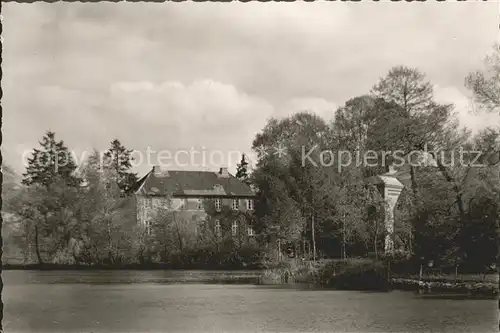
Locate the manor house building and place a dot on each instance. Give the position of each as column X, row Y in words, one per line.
column 187, row 192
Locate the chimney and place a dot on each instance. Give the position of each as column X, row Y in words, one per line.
column 158, row 172
column 223, row 173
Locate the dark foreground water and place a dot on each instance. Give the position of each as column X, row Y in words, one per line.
column 134, row 301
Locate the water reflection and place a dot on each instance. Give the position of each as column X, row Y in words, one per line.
column 156, row 301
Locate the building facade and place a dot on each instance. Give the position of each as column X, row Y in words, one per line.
column 198, row 197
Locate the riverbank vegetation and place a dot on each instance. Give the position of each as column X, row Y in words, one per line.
column 312, row 203
column 363, row 274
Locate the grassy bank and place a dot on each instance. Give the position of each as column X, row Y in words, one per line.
column 347, row 275
column 366, row 274
column 456, row 287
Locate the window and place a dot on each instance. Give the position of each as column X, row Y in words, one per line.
column 234, row 228
column 147, row 202
column 236, row 204
column 217, row 228
column 184, row 204
column 249, row 204
column 148, row 227
column 250, row 231
column 218, row 205
column 200, row 204
column 156, row 203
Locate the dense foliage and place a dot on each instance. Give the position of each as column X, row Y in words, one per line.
column 313, row 200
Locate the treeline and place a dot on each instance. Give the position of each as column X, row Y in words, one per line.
column 312, row 202
column 448, row 213
column 64, row 214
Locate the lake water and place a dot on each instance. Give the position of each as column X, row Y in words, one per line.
column 138, row 301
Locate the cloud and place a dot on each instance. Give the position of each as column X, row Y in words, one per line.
column 320, row 106
column 465, row 110
column 204, row 112
column 182, row 74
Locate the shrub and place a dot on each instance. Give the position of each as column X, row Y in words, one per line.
column 354, row 274
column 63, row 257
column 289, row 272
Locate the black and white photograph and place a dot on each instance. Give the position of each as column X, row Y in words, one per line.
column 250, row 167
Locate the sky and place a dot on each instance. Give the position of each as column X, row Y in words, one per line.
column 206, row 77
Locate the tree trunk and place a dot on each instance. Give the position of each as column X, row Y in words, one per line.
column 303, row 248
column 313, row 239
column 37, row 245
column 165, row 248
column 456, row 188
column 498, row 263
column 179, row 238
column 343, row 239
column 414, row 185
column 110, row 245
column 375, row 241
column 279, row 249
column 178, row 232
column 410, row 236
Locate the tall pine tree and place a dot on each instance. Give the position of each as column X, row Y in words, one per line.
column 242, row 170
column 119, row 159
column 51, row 162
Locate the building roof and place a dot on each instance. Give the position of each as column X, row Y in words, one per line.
column 191, row 183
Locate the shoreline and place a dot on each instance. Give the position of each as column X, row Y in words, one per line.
column 426, row 287
column 437, row 287
column 135, row 267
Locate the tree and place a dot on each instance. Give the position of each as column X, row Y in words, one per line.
column 422, row 122
column 434, row 221
column 120, row 160
column 485, row 84
column 25, row 205
column 46, row 204
column 48, row 219
column 352, row 122
column 53, row 159
column 368, row 123
column 451, row 200
column 106, row 218
column 306, row 197
column 478, row 234
column 172, row 233
column 166, row 236
column 242, row 170
column 288, row 181
column 13, row 245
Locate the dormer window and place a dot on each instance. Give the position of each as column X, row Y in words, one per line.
column 218, row 204
column 236, row 204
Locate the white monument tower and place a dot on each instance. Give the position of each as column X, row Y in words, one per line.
column 390, row 188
